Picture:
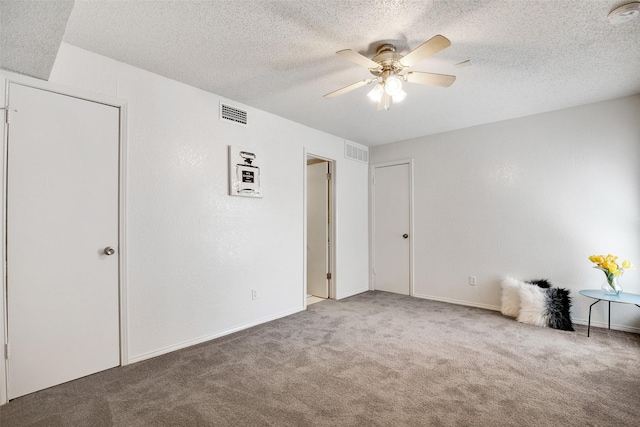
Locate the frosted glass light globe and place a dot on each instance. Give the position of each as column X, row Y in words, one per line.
column 392, row 85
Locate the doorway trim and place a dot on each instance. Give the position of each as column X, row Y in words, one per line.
column 6, row 78
column 372, row 219
column 333, row 282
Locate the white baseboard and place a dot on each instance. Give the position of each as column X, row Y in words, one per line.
column 594, row 324
column 185, row 344
column 199, row 340
column 459, row 302
column 352, row 293
column 605, row 325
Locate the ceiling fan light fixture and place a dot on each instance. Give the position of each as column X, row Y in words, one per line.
column 376, row 93
column 399, row 96
column 392, row 85
column 389, row 69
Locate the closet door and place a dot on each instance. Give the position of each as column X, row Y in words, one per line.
column 62, row 239
column 392, row 228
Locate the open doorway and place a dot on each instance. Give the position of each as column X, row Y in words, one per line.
column 319, row 216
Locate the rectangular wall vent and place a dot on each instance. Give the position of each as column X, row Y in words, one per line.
column 356, row 152
column 233, row 115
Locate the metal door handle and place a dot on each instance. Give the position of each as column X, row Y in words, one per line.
column 109, row 250
column 405, row 235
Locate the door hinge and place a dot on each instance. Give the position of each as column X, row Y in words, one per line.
column 328, row 177
column 328, row 276
column 6, row 114
column 6, row 351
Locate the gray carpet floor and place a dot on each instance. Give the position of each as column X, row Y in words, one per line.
column 375, row 359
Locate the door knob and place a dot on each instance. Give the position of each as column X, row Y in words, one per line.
column 109, row 250
column 405, row 235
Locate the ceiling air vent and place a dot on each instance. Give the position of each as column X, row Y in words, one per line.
column 233, row 115
column 356, row 152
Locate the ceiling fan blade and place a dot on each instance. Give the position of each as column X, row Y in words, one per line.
column 347, row 88
column 433, row 79
column 357, row 58
column 433, row 45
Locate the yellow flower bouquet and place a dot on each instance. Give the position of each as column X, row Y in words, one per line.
column 611, row 269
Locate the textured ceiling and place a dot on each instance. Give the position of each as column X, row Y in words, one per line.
column 279, row 56
column 30, row 35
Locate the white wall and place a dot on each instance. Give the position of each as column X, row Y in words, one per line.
column 531, row 198
column 195, row 253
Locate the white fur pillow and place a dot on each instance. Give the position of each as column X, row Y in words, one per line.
column 511, row 296
column 533, row 304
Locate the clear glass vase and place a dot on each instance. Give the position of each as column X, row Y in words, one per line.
column 611, row 287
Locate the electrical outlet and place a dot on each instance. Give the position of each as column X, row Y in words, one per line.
column 254, row 294
column 472, row 280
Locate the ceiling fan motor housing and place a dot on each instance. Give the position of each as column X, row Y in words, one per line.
column 388, row 59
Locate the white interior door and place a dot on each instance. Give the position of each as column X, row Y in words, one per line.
column 317, row 229
column 392, row 221
column 62, row 212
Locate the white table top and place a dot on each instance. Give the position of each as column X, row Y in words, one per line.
column 622, row 297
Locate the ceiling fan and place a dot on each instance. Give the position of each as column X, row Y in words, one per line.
column 389, row 69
